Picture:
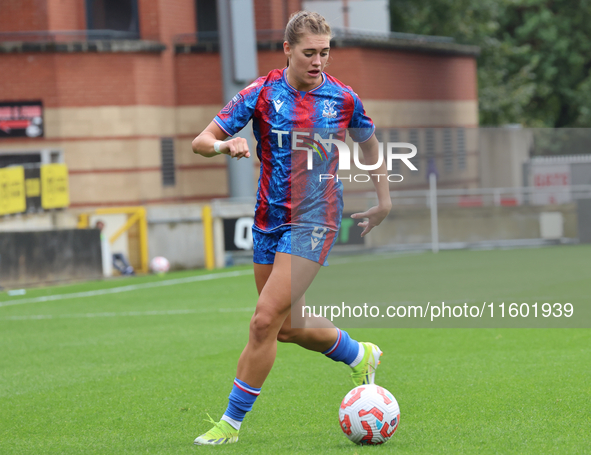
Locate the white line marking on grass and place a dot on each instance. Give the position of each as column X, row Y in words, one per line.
column 126, row 313
column 132, row 287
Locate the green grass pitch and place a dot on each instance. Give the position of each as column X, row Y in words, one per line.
column 136, row 372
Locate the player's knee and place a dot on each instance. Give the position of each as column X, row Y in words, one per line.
column 263, row 325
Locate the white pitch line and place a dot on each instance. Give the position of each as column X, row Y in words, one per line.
column 132, row 287
column 126, row 313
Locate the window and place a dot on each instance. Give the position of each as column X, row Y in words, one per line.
column 112, row 19
column 167, row 157
column 33, row 158
column 207, row 20
column 19, row 159
column 56, row 157
column 430, row 143
column 461, row 140
column 448, row 158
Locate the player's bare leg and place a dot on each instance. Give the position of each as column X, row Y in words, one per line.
column 322, row 335
column 362, row 357
column 279, row 285
column 317, row 339
column 313, row 339
column 276, row 288
column 273, row 307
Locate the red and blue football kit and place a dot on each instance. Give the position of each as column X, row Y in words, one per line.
column 277, row 109
column 295, row 212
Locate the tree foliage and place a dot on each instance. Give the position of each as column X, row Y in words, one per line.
column 535, row 62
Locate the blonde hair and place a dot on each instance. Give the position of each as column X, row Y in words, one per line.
column 304, row 22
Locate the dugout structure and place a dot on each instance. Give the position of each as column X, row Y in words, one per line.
column 136, row 228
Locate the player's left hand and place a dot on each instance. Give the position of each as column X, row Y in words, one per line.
column 374, row 215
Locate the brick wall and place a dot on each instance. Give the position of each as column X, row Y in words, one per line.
column 176, row 17
column 263, row 12
column 95, row 80
column 273, row 14
column 29, row 77
column 77, row 83
column 397, row 75
column 149, row 18
column 198, row 79
column 66, row 14
column 373, row 74
column 194, row 79
column 78, row 80
column 160, row 20
column 269, row 60
column 293, row 6
column 150, row 82
column 23, row 15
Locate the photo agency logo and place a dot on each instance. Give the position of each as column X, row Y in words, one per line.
column 320, row 149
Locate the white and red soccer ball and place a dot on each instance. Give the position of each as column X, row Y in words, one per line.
column 369, row 414
column 159, row 264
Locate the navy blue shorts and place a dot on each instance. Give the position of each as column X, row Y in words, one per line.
column 310, row 242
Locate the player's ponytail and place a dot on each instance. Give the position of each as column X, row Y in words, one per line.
column 304, row 22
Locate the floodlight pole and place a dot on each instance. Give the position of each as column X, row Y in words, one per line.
column 239, row 67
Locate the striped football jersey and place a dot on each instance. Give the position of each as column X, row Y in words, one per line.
column 289, row 193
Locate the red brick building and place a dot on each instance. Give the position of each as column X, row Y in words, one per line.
column 125, row 85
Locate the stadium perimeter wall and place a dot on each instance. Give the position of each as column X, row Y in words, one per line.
column 470, row 224
column 177, row 232
column 52, row 256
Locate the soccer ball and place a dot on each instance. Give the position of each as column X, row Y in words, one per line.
column 369, row 414
column 159, row 265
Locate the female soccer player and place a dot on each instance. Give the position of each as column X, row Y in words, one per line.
column 298, row 96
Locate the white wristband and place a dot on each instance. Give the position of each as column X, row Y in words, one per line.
column 216, row 146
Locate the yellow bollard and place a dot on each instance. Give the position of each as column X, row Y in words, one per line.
column 207, row 220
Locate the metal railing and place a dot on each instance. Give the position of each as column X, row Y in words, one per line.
column 481, row 197
column 263, row 36
column 64, row 36
column 367, row 35
column 58, row 36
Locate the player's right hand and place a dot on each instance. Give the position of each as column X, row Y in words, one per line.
column 236, row 148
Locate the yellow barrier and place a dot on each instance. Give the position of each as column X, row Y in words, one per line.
column 83, row 221
column 207, row 221
column 135, row 215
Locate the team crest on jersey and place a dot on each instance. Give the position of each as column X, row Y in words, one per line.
column 329, row 111
column 228, row 107
column 317, row 235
